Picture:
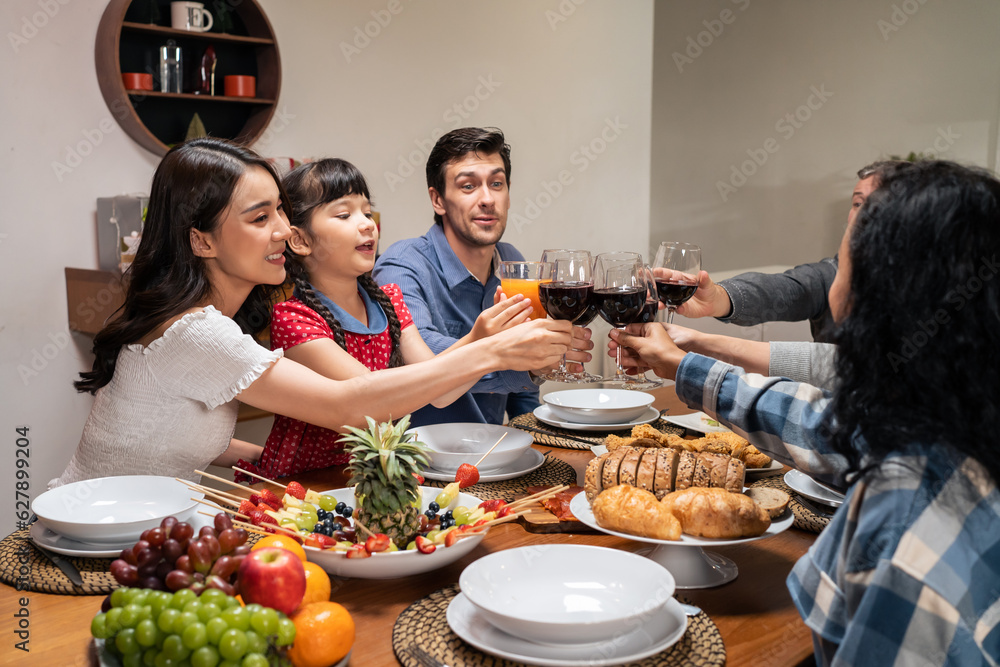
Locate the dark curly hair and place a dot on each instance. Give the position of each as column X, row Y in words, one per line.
column 457, row 144
column 310, row 186
column 918, row 347
column 191, row 189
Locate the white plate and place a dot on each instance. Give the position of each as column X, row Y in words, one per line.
column 396, row 563
column 760, row 472
column 807, row 486
column 658, row 631
column 581, row 510
column 112, row 510
column 67, row 547
column 544, row 414
column 696, row 421
column 532, row 459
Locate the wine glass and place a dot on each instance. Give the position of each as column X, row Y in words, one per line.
column 524, row 278
column 620, row 295
column 676, row 267
column 566, row 296
column 647, row 314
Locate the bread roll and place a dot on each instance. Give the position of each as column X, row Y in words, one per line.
column 735, row 476
column 685, row 470
column 773, row 501
column 666, row 471
column 716, row 513
column 646, row 471
column 592, row 479
column 627, row 469
column 630, row 510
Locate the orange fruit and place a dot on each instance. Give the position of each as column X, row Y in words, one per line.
column 281, row 542
column 317, row 584
column 324, row 634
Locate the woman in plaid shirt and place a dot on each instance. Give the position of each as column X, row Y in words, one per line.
column 908, row 571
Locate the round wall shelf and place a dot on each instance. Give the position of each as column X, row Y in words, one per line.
column 129, row 38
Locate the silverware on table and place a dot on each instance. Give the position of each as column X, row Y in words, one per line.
column 557, row 435
column 67, row 567
column 423, row 657
column 689, row 609
column 824, row 511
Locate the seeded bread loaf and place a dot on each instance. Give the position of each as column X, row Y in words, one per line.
column 662, row 470
column 612, row 462
column 646, row 470
column 628, row 468
column 685, row 470
column 666, row 470
column 592, row 478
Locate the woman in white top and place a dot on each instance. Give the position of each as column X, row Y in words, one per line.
column 168, row 370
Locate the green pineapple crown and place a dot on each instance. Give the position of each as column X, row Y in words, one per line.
column 384, row 461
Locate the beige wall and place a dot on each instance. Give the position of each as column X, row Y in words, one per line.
column 895, row 76
column 556, row 75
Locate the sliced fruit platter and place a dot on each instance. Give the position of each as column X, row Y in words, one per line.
column 410, row 528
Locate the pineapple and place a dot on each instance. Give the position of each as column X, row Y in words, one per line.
column 384, row 462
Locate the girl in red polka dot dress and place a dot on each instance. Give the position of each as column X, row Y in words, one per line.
column 340, row 323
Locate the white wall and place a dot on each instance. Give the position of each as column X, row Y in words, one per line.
column 897, row 75
column 555, row 78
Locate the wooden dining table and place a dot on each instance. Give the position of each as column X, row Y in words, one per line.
column 754, row 613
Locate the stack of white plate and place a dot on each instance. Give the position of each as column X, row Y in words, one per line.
column 98, row 518
column 596, row 409
column 451, row 445
column 567, row 605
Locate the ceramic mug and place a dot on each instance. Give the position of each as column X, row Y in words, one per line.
column 190, row 16
column 239, row 85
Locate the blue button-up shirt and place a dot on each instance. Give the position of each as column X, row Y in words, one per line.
column 445, row 299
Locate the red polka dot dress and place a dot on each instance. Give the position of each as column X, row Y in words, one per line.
column 294, row 446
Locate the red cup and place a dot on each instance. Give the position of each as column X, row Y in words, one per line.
column 240, row 85
column 137, row 80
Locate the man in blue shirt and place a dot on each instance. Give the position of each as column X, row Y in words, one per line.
column 448, row 275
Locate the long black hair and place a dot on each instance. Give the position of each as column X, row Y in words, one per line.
column 917, row 351
column 310, row 186
column 191, row 189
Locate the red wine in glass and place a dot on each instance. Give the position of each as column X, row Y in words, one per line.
column 620, row 305
column 565, row 300
column 673, row 294
column 648, row 312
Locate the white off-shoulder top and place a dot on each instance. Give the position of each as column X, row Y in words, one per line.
column 170, row 408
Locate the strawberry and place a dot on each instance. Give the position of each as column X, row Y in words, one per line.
column 452, row 537
column 246, row 507
column 358, row 551
column 320, row 541
column 257, row 517
column 377, row 543
column 466, row 475
column 493, row 504
column 296, row 490
column 505, row 511
column 420, row 478
column 255, row 499
column 268, row 497
column 424, row 545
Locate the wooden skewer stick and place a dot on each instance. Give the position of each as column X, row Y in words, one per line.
column 201, row 488
column 538, row 497
column 250, row 528
column 224, row 480
column 358, row 524
column 476, row 464
column 263, row 479
column 226, row 498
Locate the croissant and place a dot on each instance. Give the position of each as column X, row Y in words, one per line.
column 631, row 510
column 716, row 513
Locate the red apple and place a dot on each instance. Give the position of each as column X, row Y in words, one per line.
column 274, row 578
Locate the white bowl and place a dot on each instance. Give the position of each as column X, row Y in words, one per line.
column 113, row 510
column 566, row 594
column 598, row 406
column 451, row 445
column 395, row 564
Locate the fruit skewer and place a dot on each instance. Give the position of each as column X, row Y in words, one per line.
column 468, row 474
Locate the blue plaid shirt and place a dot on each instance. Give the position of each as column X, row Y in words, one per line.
column 908, row 570
column 445, row 300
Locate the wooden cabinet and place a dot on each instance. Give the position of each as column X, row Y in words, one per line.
column 128, row 42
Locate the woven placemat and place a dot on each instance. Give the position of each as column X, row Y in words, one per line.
column 553, row 436
column 425, row 624
column 805, row 519
column 552, row 472
column 22, row 567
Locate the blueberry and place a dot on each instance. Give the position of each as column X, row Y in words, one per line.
column 319, row 528
column 430, row 513
column 448, row 514
column 321, row 514
column 339, row 509
column 347, row 512
column 433, row 507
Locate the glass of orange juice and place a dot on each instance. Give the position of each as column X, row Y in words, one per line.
column 524, row 278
